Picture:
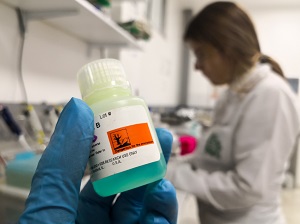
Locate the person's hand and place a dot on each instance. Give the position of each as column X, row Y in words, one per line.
column 54, row 196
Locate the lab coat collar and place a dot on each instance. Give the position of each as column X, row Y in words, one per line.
column 246, row 82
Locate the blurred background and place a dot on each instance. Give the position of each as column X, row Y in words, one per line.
column 44, row 43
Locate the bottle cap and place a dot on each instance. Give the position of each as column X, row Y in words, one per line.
column 101, row 74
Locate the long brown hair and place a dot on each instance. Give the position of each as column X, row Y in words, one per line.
column 229, row 29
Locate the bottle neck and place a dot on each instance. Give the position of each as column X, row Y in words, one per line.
column 106, row 94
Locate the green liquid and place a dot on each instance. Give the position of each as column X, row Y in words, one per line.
column 111, row 99
column 130, row 179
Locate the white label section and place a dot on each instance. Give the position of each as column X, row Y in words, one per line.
column 123, row 140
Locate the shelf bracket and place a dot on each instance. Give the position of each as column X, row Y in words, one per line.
column 27, row 16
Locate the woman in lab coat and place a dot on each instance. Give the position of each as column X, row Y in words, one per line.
column 238, row 169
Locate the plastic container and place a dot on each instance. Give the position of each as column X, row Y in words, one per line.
column 125, row 152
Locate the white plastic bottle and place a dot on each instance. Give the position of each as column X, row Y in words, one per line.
column 125, row 152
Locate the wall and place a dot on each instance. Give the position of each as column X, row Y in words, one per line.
column 279, row 34
column 157, row 68
column 52, row 58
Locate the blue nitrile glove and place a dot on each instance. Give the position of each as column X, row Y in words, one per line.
column 54, row 196
column 153, row 203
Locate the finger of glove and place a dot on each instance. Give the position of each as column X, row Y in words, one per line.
column 56, row 183
column 130, row 202
column 160, row 204
column 93, row 208
column 165, row 139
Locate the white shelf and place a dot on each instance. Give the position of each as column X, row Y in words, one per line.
column 81, row 19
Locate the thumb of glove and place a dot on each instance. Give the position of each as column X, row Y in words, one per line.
column 56, row 183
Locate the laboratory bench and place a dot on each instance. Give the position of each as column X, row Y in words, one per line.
column 12, row 204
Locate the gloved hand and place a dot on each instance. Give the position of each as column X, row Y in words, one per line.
column 54, row 196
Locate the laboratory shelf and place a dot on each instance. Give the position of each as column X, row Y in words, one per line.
column 78, row 18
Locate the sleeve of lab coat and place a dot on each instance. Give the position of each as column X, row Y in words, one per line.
column 264, row 139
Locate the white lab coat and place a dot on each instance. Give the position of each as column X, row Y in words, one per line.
column 238, row 169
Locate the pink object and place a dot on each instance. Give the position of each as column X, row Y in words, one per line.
column 187, row 144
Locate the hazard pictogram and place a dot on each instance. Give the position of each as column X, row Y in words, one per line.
column 119, row 139
column 129, row 137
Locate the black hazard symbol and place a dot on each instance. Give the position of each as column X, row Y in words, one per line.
column 119, row 139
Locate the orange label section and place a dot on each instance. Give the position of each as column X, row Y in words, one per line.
column 129, row 137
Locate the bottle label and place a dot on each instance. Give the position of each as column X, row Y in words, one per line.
column 123, row 140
